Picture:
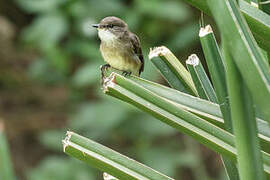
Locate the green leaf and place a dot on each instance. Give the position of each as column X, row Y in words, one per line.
column 244, row 124
column 264, row 5
column 177, row 69
column 205, row 109
column 169, row 75
column 107, row 160
column 206, row 91
column 173, row 115
column 217, row 72
column 248, row 57
column 259, row 24
column 258, row 21
column 200, row 79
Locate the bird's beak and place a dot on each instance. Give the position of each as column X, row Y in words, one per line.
column 95, row 25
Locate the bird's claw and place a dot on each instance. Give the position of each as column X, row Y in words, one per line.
column 126, row 73
column 103, row 68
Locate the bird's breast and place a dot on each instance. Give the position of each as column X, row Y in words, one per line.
column 120, row 56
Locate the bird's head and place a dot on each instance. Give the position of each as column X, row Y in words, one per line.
column 110, row 28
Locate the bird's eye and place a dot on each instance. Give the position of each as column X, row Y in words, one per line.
column 110, row 26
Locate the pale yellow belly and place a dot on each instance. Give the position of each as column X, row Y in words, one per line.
column 123, row 61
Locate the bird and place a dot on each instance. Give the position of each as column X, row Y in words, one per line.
column 119, row 47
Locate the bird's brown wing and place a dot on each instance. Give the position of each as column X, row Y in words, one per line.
column 137, row 49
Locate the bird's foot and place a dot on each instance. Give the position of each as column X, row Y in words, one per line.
column 126, row 73
column 103, row 68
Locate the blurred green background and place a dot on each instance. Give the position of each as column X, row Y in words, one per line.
column 50, row 83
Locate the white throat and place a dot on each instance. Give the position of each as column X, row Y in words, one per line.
column 106, row 35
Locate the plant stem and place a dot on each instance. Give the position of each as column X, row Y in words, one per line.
column 164, row 54
column 200, row 79
column 108, row 160
column 205, row 109
column 245, row 128
column 217, row 72
column 169, row 75
column 258, row 21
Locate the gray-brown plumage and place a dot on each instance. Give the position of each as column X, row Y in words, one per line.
column 119, row 47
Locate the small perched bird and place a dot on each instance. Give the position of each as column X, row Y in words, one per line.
column 119, row 47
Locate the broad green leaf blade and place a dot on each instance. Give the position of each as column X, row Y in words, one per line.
column 196, row 81
column 201, row 107
column 200, row 79
column 172, row 120
column 169, row 75
column 230, row 168
column 245, row 52
column 167, row 111
column 258, row 21
column 6, row 169
column 244, row 123
column 217, row 73
column 207, row 110
column 164, row 54
column 264, row 5
column 259, row 24
column 216, row 67
column 108, row 160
